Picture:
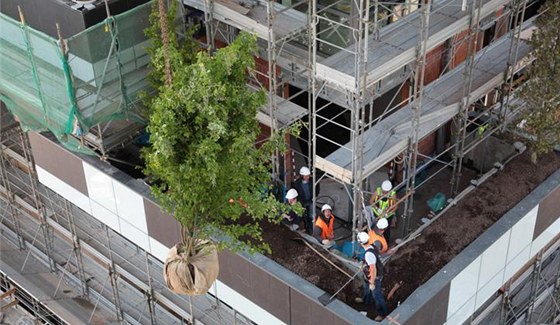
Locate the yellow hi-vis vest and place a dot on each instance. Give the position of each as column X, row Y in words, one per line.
column 379, row 205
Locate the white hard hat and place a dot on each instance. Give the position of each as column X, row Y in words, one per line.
column 326, row 207
column 386, row 186
column 363, row 238
column 292, row 194
column 382, row 223
column 304, row 171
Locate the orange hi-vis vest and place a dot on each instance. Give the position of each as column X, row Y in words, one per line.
column 373, row 237
column 328, row 230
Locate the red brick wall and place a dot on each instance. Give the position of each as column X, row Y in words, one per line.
column 460, row 47
column 501, row 23
column 427, row 145
column 434, row 63
column 261, row 66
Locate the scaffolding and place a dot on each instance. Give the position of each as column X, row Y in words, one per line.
column 375, row 60
column 53, row 249
column 388, row 75
column 532, row 297
column 84, row 89
column 371, row 59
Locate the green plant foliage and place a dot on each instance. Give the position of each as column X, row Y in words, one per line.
column 181, row 52
column 203, row 131
column 542, row 92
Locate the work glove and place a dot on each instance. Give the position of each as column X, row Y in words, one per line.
column 326, row 242
column 371, row 286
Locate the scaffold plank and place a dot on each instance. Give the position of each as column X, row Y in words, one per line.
column 442, row 99
column 446, row 19
column 286, row 113
column 255, row 20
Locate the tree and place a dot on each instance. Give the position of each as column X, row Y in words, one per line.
column 207, row 171
column 541, row 93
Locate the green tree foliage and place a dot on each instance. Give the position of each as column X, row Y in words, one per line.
column 203, row 159
column 542, row 92
column 183, row 52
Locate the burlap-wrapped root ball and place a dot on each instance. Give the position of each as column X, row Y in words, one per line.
column 191, row 275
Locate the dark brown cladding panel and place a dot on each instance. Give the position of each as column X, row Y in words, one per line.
column 161, row 226
column 549, row 211
column 434, row 311
column 255, row 284
column 307, row 311
column 59, row 162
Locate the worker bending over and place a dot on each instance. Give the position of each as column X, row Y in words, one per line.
column 372, row 268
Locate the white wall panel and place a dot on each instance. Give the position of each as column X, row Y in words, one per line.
column 100, row 187
column 158, row 249
column 463, row 287
column 540, row 242
column 105, row 216
column 135, row 235
column 63, row 189
column 130, row 206
column 463, row 313
column 494, row 259
column 517, row 262
column 487, row 290
column 522, row 234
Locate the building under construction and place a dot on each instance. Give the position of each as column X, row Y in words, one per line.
column 408, row 90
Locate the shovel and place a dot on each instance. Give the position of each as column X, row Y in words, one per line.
column 325, row 299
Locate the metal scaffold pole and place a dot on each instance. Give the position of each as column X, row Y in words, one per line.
column 461, row 119
column 312, row 95
column 150, row 292
column 76, row 248
column 114, row 279
column 517, row 16
column 556, row 299
column 209, row 24
column 504, row 306
column 418, row 91
column 272, row 81
column 535, row 279
column 358, row 110
column 14, row 212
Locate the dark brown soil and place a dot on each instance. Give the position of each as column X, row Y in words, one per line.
column 291, row 252
column 463, row 223
column 419, row 260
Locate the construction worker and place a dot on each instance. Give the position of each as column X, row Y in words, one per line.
column 304, row 186
column 384, row 205
column 324, row 226
column 291, row 219
column 376, row 237
column 372, row 268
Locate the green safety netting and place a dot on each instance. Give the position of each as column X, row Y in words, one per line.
column 97, row 79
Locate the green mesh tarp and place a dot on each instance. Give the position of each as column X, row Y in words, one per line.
column 94, row 77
